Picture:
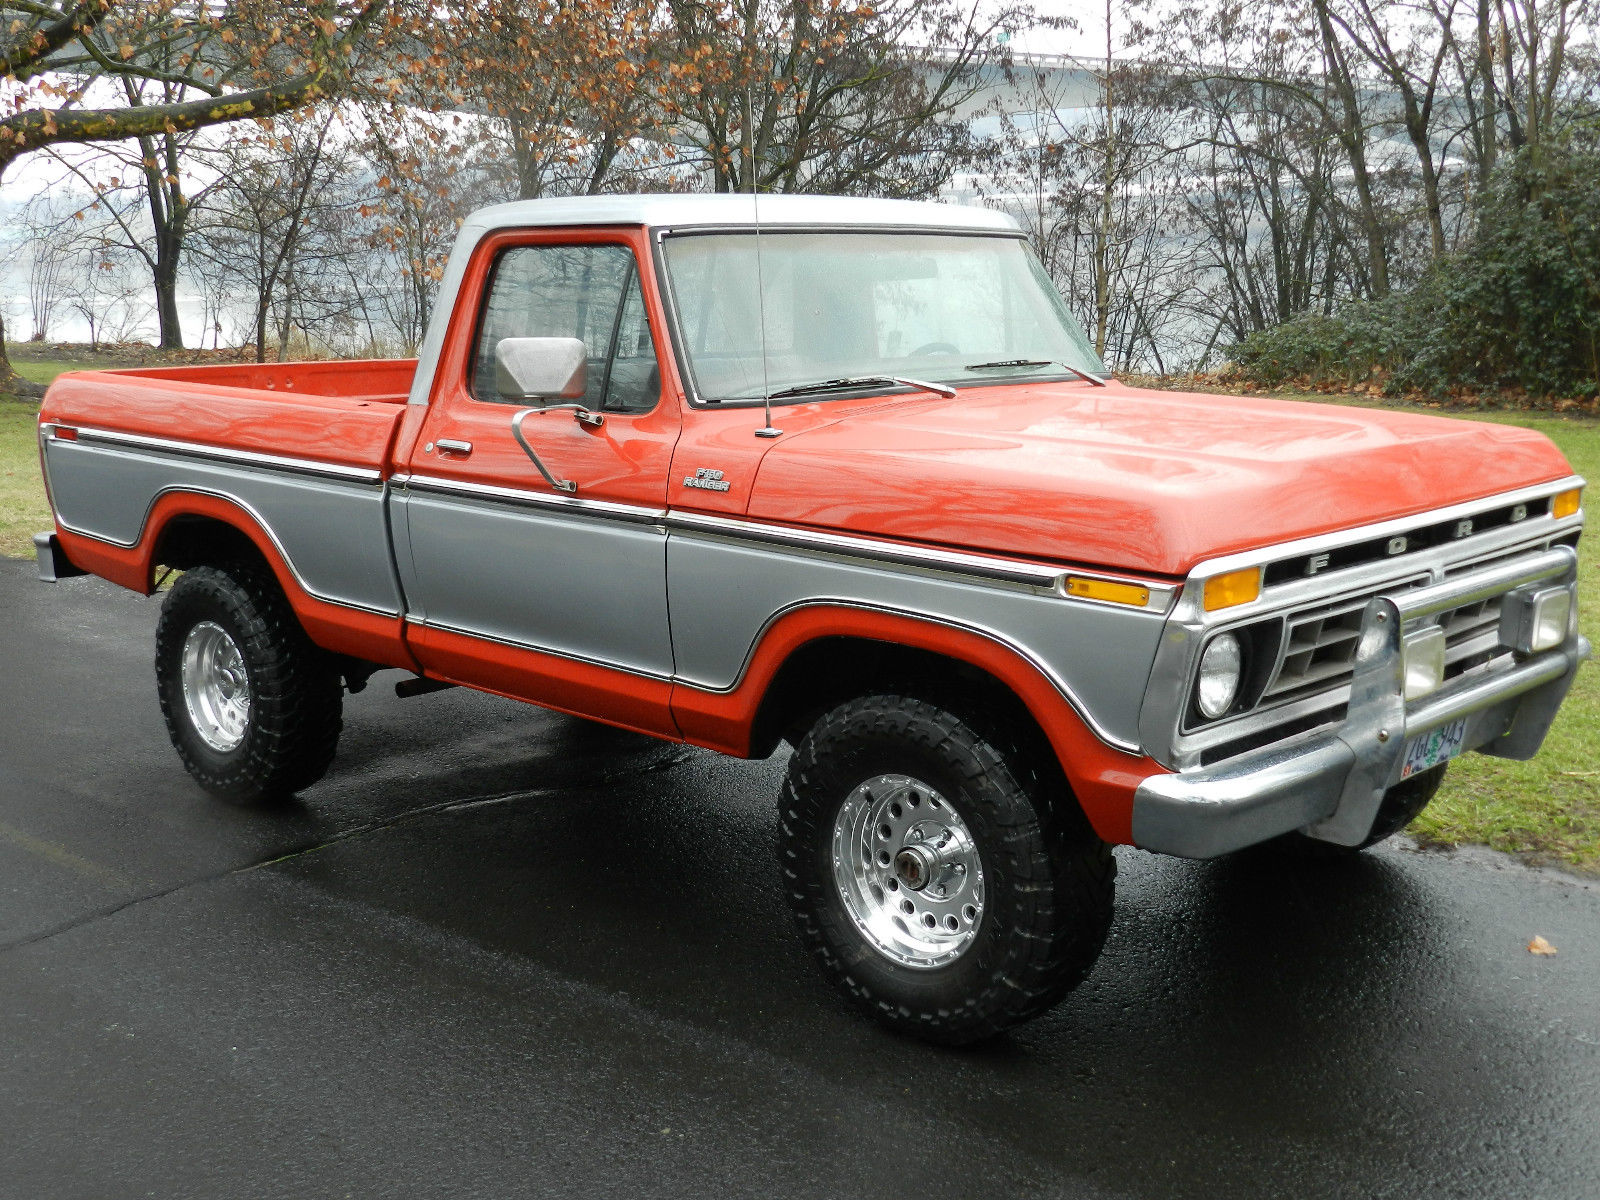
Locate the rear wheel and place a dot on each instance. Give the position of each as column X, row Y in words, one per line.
column 252, row 706
column 938, row 884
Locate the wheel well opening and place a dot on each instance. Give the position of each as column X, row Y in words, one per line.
column 827, row 672
column 195, row 541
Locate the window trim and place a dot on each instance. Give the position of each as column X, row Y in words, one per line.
column 633, row 275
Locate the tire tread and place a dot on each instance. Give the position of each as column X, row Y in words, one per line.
column 1062, row 876
column 297, row 707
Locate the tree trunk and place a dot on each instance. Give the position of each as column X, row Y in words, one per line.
column 261, row 329
column 530, row 180
column 1487, row 129
column 1430, row 188
column 166, row 279
column 12, row 384
column 1353, row 137
column 1102, row 239
column 747, row 125
column 8, row 376
column 286, row 326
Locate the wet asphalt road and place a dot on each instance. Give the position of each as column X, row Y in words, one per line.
column 500, row 952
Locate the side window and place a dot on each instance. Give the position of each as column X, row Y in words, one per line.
column 589, row 292
column 634, row 381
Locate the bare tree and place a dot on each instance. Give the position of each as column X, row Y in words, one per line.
column 102, row 289
column 410, row 223
column 818, row 96
column 1092, row 166
column 275, row 218
column 49, row 248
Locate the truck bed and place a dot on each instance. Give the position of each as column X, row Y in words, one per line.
column 341, row 413
column 293, row 454
column 385, row 380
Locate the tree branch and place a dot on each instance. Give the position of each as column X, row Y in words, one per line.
column 25, row 60
column 33, row 128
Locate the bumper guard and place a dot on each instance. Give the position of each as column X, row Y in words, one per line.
column 54, row 565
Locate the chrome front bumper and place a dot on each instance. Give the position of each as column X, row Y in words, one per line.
column 1329, row 784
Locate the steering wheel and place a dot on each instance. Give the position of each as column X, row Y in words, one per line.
column 934, row 348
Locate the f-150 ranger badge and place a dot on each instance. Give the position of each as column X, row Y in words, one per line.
column 707, row 479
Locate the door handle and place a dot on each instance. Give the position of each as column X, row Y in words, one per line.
column 451, row 446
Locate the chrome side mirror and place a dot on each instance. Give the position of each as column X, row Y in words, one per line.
column 541, row 368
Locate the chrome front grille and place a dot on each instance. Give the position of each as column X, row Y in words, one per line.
column 1308, row 685
column 1301, row 638
column 1318, row 651
column 1469, row 630
column 1319, row 646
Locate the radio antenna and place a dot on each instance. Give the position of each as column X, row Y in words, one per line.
column 767, row 430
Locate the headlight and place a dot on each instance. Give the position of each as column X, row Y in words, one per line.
column 1220, row 668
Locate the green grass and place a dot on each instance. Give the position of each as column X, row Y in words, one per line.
column 43, row 371
column 23, row 511
column 41, row 363
column 1548, row 808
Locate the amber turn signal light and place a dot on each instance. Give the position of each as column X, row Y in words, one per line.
column 1108, row 589
column 1564, row 504
column 1236, row 587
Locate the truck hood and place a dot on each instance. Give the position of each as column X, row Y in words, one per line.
column 1126, row 478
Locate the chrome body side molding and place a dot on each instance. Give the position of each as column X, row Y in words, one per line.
column 910, row 554
column 252, row 458
column 520, row 496
column 888, row 553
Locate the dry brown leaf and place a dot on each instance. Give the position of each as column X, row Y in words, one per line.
column 1540, row 946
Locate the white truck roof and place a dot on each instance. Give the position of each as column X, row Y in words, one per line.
column 673, row 210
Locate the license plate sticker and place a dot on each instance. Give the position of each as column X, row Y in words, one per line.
column 1432, row 748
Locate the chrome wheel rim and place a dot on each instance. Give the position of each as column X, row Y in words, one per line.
column 216, row 686
column 908, row 871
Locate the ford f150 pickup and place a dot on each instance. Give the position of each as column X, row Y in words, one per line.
column 843, row 474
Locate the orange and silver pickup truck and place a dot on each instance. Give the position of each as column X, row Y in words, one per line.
column 844, row 475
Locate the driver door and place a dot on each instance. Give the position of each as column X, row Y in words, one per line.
column 511, row 584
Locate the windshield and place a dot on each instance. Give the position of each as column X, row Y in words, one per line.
column 837, row 306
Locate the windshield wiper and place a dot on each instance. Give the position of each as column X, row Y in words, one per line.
column 1038, row 362
column 849, row 382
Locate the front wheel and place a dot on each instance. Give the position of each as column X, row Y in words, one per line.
column 252, row 706
column 939, row 885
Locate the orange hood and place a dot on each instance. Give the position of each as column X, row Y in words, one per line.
column 1119, row 477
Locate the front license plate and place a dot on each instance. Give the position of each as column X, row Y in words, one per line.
column 1431, row 749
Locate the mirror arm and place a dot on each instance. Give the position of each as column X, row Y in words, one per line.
column 587, row 417
column 560, row 485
